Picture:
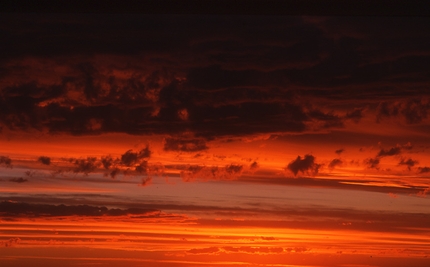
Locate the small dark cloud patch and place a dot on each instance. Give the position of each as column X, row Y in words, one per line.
column 423, row 169
column 334, row 163
column 372, row 163
column 413, row 110
column 87, row 165
column 6, row 161
column 339, row 151
column 107, row 162
column 142, row 167
column 8, row 208
column 18, row 180
column 205, row 173
column 184, row 145
column 254, row 166
column 355, row 115
column 409, row 163
column 390, row 152
column 130, row 158
column 44, row 160
column 305, row 165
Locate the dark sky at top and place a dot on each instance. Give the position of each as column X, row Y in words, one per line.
column 212, row 75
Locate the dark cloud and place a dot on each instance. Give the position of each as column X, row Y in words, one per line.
column 372, row 163
column 390, row 152
column 254, row 166
column 6, row 161
column 212, row 76
column 18, row 180
column 355, row 115
column 146, row 181
column 44, row 160
column 86, row 166
column 130, row 158
column 413, row 110
column 107, row 162
column 47, row 210
column 184, row 145
column 196, row 172
column 424, row 169
column 409, row 162
column 339, row 151
column 334, row 163
column 305, row 165
column 142, row 167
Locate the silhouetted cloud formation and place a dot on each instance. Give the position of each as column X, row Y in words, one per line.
column 44, row 160
column 6, row 161
column 259, row 76
column 305, row 165
column 424, row 169
column 196, row 172
column 87, row 165
column 334, row 163
column 390, row 152
column 18, row 180
column 372, row 163
column 130, row 158
column 46, row 210
column 184, row 145
column 409, row 162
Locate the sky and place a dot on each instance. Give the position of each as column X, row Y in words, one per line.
column 214, row 140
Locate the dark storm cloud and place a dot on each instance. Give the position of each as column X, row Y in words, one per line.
column 44, row 160
column 305, row 165
column 184, row 145
column 6, row 161
column 47, row 210
column 210, row 75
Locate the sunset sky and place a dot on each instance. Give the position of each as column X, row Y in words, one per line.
column 214, row 140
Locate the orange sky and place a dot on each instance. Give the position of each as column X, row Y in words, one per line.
column 214, row 141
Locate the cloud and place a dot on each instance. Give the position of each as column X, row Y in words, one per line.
column 334, row 163
column 44, row 160
column 130, row 158
column 18, row 180
column 372, row 163
column 339, row 151
column 390, row 152
column 86, row 166
column 305, row 165
column 8, row 208
column 146, row 181
column 142, row 167
column 424, row 169
column 11, row 242
column 211, row 250
column 107, row 162
column 184, row 145
column 6, row 161
column 414, row 110
column 196, row 172
column 409, row 163
column 355, row 115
